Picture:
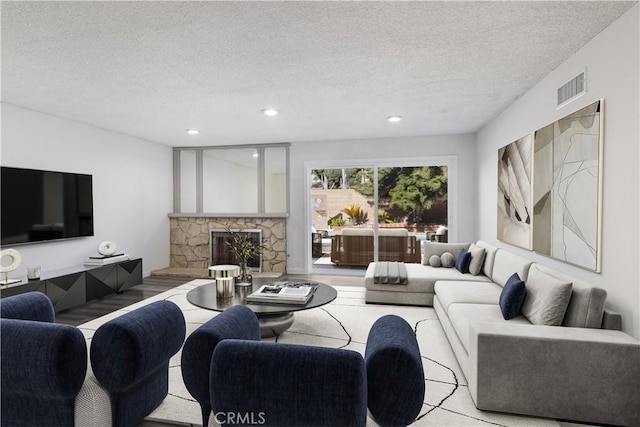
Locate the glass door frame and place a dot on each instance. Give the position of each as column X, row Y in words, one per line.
column 451, row 162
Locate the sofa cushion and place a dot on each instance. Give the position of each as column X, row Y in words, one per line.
column 393, row 232
column 357, row 232
column 547, row 299
column 505, row 264
column 463, row 260
column 477, row 259
column 434, row 261
column 472, row 292
column 437, row 248
column 512, row 297
column 586, row 307
column 462, row 316
column 448, row 260
column 490, row 255
column 421, row 278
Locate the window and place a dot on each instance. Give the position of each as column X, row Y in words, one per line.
column 231, row 180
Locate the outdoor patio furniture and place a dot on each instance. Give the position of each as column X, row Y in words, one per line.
column 354, row 247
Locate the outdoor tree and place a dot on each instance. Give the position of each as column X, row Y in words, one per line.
column 404, row 193
column 407, row 192
column 330, row 179
column 416, row 192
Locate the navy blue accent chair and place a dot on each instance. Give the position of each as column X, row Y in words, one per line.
column 130, row 359
column 28, row 306
column 274, row 384
column 43, row 364
column 237, row 321
column 395, row 377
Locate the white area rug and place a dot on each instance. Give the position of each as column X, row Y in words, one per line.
column 344, row 323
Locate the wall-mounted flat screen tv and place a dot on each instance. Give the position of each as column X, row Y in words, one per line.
column 40, row 205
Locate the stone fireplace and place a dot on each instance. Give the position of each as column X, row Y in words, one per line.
column 191, row 239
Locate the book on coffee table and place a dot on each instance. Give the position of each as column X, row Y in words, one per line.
column 284, row 293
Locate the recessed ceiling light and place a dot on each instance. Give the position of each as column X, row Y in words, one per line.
column 270, row 112
column 193, row 131
column 394, row 119
column 255, row 155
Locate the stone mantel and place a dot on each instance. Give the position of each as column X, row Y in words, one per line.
column 228, row 215
column 190, row 234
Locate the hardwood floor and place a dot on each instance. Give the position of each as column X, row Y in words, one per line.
column 149, row 287
column 154, row 285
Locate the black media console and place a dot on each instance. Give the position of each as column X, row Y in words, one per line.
column 75, row 286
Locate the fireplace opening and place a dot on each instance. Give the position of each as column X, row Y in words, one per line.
column 221, row 253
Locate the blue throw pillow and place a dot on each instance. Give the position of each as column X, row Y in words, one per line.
column 512, row 297
column 463, row 261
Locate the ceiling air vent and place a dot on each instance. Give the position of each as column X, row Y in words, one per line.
column 571, row 89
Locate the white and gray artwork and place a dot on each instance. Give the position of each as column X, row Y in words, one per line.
column 514, row 192
column 566, row 188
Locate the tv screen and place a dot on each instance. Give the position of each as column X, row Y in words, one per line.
column 42, row 205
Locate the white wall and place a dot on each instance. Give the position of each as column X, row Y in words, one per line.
column 132, row 186
column 228, row 186
column 275, row 198
column 611, row 61
column 460, row 146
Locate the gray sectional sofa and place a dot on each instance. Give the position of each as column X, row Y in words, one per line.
column 585, row 369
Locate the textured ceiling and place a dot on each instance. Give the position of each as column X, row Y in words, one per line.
column 335, row 70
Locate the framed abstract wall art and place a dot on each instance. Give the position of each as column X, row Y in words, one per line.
column 514, row 193
column 567, row 188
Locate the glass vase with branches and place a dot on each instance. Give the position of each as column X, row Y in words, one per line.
column 243, row 247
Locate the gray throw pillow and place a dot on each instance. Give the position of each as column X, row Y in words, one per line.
column 447, row 260
column 477, row 259
column 547, row 299
column 434, row 261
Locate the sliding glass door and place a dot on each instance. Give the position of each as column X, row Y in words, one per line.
column 376, row 212
column 342, row 204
